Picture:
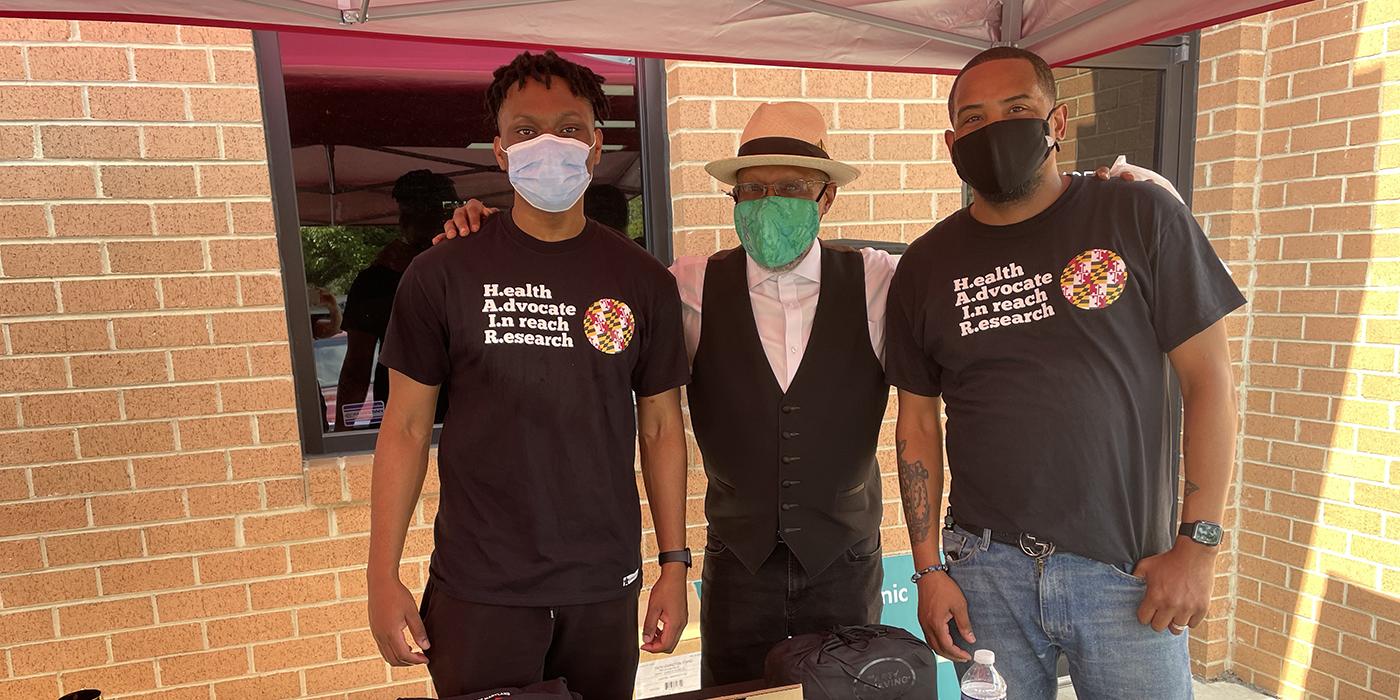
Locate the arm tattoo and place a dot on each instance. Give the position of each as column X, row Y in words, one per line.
column 1191, row 488
column 913, row 489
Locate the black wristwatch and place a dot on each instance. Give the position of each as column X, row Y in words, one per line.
column 1202, row 532
column 673, row 556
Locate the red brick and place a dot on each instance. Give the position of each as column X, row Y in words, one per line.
column 91, row 142
column 127, row 33
column 89, row 547
column 57, row 656
column 118, row 369
column 59, row 336
column 46, row 182
column 243, row 564
column 278, row 685
column 171, row 402
column 233, row 180
column 90, row 296
column 214, row 36
column 23, row 221
column 250, row 327
column 87, row 618
column 286, row 527
column 237, row 631
column 20, row 555
column 224, row 499
column 148, row 181
column 209, row 363
column 332, row 554
column 27, row 298
column 88, row 220
column 193, row 536
column 36, row 447
column 125, row 439
column 203, row 602
column 291, row 654
column 244, row 254
column 78, row 63
column 220, row 431
column 140, row 104
column 244, row 143
column 31, row 373
column 172, row 65
column 199, row 292
column 24, row 29
column 345, row 676
column 80, row 478
column 253, row 217
column 156, row 257
column 23, row 102
column 260, row 290
column 48, row 587
column 213, row 665
column 226, row 105
column 142, row 576
column 263, row 462
column 154, row 642
column 146, row 506
column 161, row 331
column 181, row 143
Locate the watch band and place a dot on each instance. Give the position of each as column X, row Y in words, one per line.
column 1189, row 530
column 681, row 556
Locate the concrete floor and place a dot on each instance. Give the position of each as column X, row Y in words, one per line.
column 1204, row 691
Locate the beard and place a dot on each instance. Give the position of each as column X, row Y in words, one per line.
column 1019, row 193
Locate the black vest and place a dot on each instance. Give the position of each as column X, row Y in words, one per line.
column 800, row 464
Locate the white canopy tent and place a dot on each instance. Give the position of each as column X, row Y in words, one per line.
column 907, row 35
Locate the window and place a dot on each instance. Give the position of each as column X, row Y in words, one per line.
column 372, row 142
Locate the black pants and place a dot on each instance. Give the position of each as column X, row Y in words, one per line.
column 742, row 615
column 475, row 647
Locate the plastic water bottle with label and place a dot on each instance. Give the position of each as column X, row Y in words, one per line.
column 982, row 682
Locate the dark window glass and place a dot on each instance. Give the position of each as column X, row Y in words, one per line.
column 387, row 136
column 1112, row 112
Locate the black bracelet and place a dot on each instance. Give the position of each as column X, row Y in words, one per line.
column 926, row 571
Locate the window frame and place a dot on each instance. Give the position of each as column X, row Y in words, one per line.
column 656, row 207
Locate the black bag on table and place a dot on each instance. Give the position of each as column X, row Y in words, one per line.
column 549, row 690
column 869, row 662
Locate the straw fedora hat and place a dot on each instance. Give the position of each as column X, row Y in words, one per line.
column 783, row 133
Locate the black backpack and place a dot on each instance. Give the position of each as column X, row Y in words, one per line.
column 870, row 662
column 549, row 690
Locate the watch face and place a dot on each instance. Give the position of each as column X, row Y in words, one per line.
column 1207, row 533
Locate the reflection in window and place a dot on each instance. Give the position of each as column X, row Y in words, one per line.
column 1112, row 112
column 387, row 137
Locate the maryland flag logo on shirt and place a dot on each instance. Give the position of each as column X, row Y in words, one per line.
column 609, row 324
column 1094, row 279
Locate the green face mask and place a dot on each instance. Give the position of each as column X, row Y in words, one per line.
column 775, row 230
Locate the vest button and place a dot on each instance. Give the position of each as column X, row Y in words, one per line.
column 789, row 506
column 790, row 435
column 791, row 408
column 790, row 459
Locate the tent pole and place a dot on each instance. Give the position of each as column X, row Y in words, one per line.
column 330, row 172
column 439, row 7
column 1076, row 21
column 873, row 20
column 1011, row 18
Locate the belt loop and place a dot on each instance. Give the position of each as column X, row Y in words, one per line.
column 986, row 542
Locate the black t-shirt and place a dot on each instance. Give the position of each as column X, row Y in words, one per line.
column 541, row 346
column 1047, row 342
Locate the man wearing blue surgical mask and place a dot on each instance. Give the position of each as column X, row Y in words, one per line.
column 543, row 328
column 1048, row 317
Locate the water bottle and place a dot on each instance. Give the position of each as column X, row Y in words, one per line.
column 982, row 682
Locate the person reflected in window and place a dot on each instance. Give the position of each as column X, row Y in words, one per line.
column 420, row 195
column 607, row 205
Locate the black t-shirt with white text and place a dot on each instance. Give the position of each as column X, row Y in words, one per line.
column 541, row 347
column 1047, row 341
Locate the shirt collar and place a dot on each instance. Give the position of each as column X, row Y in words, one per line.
column 810, row 268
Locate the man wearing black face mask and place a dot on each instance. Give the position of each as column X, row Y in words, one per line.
column 1052, row 310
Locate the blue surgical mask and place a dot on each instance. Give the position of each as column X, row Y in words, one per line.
column 550, row 172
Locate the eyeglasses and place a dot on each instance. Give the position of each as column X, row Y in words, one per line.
column 796, row 189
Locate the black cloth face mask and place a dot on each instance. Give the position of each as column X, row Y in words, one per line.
column 1001, row 158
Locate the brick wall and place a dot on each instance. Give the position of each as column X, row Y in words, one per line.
column 1295, row 182
column 160, row 535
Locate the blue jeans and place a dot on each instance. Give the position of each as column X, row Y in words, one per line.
column 1084, row 609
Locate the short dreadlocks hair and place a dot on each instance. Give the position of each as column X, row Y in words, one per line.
column 1043, row 75
column 542, row 68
